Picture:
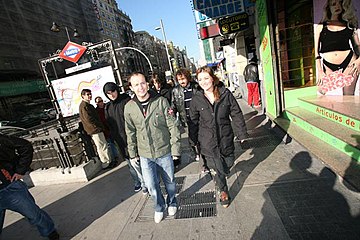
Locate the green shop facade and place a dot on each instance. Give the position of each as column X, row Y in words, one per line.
column 328, row 125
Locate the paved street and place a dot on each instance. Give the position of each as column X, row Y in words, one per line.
column 278, row 191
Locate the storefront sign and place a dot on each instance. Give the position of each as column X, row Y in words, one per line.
column 218, row 8
column 234, row 24
column 226, row 42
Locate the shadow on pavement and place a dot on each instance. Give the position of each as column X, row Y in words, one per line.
column 352, row 173
column 262, row 142
column 76, row 211
column 307, row 205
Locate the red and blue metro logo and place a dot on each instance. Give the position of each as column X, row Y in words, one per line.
column 72, row 52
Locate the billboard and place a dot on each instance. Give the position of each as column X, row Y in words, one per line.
column 68, row 89
column 337, row 45
column 212, row 9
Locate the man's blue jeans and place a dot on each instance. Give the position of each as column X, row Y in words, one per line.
column 135, row 172
column 17, row 198
column 152, row 170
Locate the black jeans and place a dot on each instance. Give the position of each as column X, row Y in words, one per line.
column 222, row 168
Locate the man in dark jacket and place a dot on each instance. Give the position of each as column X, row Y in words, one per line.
column 160, row 85
column 251, row 76
column 114, row 114
column 182, row 95
column 15, row 159
column 94, row 127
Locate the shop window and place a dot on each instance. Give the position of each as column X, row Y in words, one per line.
column 295, row 43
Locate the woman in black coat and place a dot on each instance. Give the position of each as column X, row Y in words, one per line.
column 211, row 109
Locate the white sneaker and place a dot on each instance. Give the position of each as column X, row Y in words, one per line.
column 158, row 217
column 172, row 211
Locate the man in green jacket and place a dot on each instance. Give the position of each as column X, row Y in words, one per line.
column 153, row 137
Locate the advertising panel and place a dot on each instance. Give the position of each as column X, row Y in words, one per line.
column 68, row 89
column 266, row 58
column 337, row 46
column 215, row 9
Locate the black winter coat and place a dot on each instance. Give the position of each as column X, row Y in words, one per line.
column 15, row 157
column 114, row 115
column 215, row 133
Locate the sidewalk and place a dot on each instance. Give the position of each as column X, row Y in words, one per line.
column 278, row 191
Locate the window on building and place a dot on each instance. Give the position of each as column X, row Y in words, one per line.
column 295, row 43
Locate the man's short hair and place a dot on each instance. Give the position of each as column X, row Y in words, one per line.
column 134, row 74
column 85, row 91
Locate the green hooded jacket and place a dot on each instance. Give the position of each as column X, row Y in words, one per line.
column 156, row 134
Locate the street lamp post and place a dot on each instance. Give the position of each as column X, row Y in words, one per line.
column 166, row 47
column 56, row 28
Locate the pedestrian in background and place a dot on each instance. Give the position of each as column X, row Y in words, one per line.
column 160, row 86
column 15, row 159
column 214, row 110
column 100, row 108
column 153, row 137
column 182, row 95
column 94, row 127
column 251, row 76
column 114, row 115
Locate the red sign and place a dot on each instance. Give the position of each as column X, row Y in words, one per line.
column 72, row 52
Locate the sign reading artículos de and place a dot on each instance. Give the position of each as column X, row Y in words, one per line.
column 219, row 8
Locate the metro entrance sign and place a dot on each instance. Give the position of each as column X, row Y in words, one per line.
column 72, row 52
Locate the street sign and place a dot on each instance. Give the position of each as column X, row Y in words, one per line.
column 219, row 55
column 226, row 42
column 72, row 52
column 234, row 23
column 78, row 68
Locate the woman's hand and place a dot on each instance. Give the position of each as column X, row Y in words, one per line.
column 355, row 68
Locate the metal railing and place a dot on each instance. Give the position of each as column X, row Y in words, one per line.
column 59, row 144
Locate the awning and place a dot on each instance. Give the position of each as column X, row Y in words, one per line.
column 215, row 64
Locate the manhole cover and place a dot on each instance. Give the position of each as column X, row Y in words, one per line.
column 201, row 204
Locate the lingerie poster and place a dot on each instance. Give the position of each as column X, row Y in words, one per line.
column 337, row 46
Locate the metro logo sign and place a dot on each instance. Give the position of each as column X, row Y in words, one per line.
column 72, row 52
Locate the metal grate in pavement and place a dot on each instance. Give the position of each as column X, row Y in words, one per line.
column 201, row 204
column 259, row 142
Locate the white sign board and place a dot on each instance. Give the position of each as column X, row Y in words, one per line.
column 78, row 68
column 219, row 55
column 68, row 89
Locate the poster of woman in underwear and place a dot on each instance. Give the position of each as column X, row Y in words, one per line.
column 337, row 46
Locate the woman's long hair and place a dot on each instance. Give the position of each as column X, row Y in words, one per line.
column 216, row 80
column 348, row 13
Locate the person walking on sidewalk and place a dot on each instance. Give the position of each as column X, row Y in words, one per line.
column 100, row 108
column 15, row 158
column 182, row 95
column 153, row 137
column 211, row 109
column 94, row 127
column 114, row 114
column 251, row 76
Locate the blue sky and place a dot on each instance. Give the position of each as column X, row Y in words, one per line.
column 177, row 16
